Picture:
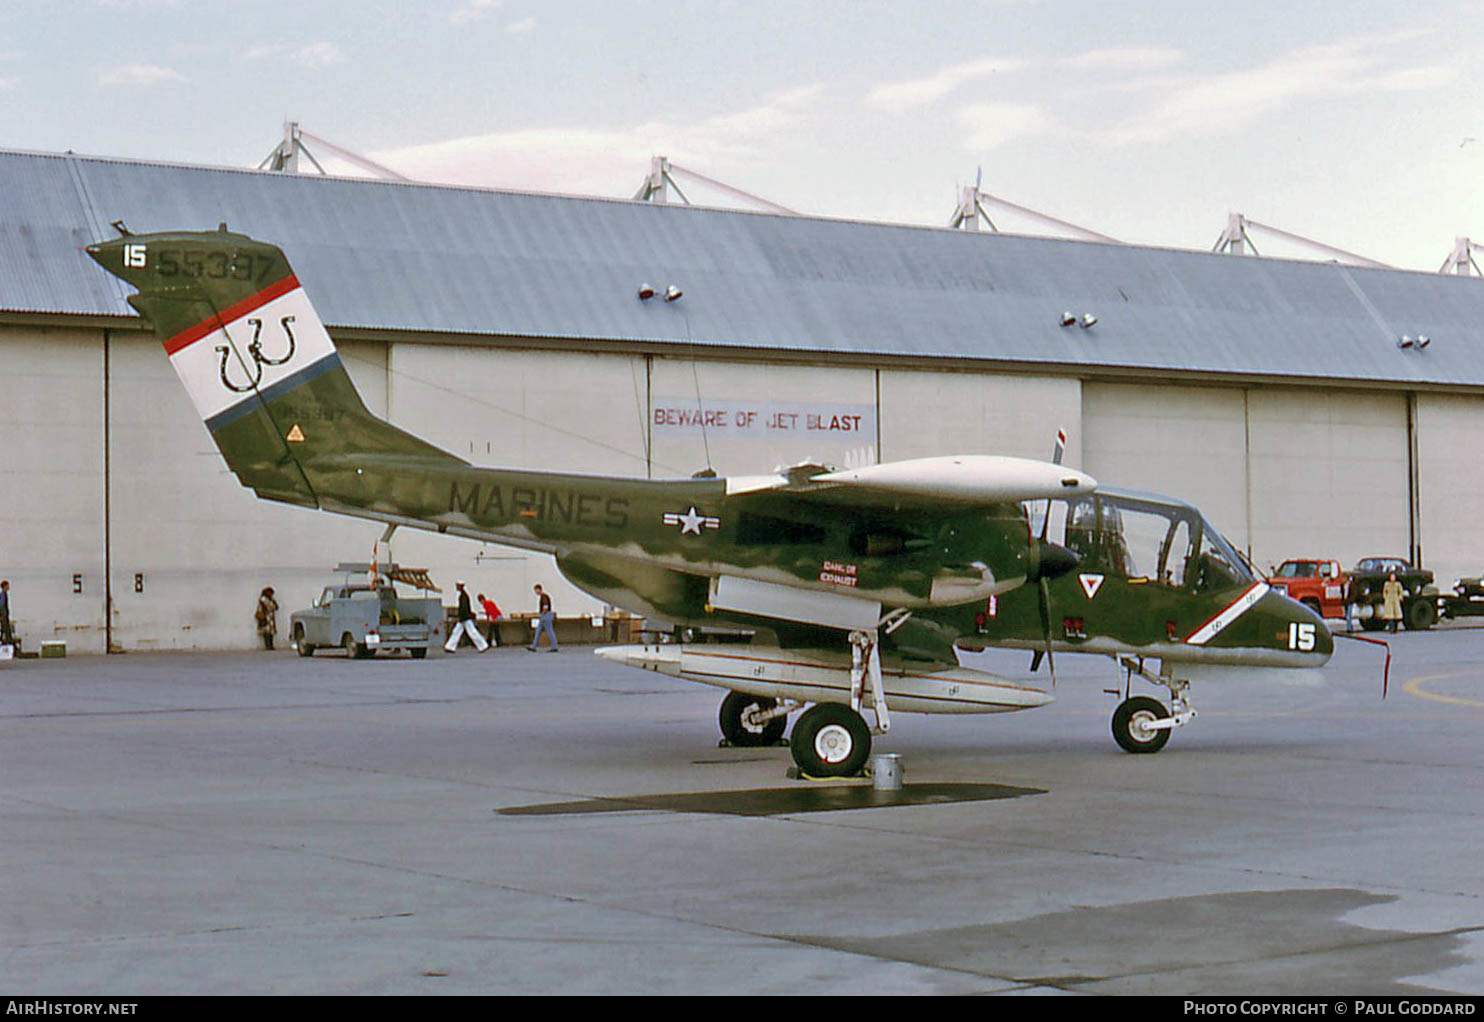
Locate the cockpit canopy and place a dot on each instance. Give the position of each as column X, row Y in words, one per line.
column 1143, row 538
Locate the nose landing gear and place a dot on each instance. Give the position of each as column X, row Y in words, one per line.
column 1141, row 724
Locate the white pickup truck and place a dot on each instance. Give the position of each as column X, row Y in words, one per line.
column 363, row 619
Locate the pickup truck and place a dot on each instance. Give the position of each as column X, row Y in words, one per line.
column 1317, row 583
column 1419, row 595
column 364, row 618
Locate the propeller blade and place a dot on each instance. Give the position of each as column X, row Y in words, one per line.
column 1044, row 603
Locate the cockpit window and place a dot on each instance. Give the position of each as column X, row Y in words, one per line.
column 1142, row 540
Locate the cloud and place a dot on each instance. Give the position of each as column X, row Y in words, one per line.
column 1126, row 59
column 906, row 95
column 521, row 27
column 606, row 161
column 1233, row 100
column 141, row 75
column 318, row 55
column 988, row 125
column 472, row 11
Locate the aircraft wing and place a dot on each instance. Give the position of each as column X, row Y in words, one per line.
column 924, row 482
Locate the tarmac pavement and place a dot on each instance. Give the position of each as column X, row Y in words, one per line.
column 517, row 823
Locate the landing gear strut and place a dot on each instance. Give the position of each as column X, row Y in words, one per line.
column 1142, row 725
column 832, row 740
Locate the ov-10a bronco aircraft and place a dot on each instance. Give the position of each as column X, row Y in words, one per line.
column 858, row 584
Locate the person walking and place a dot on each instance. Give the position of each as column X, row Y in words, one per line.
column 266, row 617
column 546, row 623
column 492, row 614
column 466, row 625
column 1391, row 602
column 7, row 636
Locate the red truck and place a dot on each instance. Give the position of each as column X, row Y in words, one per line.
column 1317, row 583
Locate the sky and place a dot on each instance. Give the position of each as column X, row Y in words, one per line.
column 1358, row 124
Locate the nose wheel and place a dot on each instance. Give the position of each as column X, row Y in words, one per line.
column 1141, row 724
column 1133, row 725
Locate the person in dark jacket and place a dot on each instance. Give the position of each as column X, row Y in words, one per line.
column 546, row 623
column 466, row 625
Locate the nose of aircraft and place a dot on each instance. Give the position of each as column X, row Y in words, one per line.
column 1295, row 629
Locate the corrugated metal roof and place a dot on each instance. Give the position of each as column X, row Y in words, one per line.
column 428, row 258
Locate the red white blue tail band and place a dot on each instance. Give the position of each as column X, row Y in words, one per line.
column 263, row 344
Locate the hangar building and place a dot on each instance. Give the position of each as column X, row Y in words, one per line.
column 507, row 328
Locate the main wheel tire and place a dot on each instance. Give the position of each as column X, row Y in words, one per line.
column 830, row 740
column 735, row 709
column 1420, row 614
column 304, row 648
column 1131, row 725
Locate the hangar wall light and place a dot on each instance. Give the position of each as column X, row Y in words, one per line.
column 647, row 291
column 1087, row 321
column 1070, row 318
column 1407, row 342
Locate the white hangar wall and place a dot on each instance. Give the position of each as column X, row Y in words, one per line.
column 1450, row 439
column 107, row 475
column 1281, row 471
column 51, row 482
column 106, row 467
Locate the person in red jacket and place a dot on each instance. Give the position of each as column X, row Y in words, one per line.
column 493, row 615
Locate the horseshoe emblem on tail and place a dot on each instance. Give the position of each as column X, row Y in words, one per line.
column 255, row 349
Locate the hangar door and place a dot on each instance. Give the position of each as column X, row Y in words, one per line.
column 1283, row 472
column 1186, row 442
column 1330, row 474
column 1450, row 428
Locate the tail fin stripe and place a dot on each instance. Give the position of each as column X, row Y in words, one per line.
column 239, row 361
column 231, row 314
column 283, row 386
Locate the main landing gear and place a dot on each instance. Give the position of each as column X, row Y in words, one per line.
column 1141, row 724
column 750, row 721
column 828, row 739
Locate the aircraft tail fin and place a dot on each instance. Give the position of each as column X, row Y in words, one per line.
column 256, row 360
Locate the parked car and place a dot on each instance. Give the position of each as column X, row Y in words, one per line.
column 1419, row 595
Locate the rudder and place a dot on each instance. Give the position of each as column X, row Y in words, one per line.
column 254, row 357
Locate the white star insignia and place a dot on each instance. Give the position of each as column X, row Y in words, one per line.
column 692, row 522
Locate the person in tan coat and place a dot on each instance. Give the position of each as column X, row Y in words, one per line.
column 1391, row 602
